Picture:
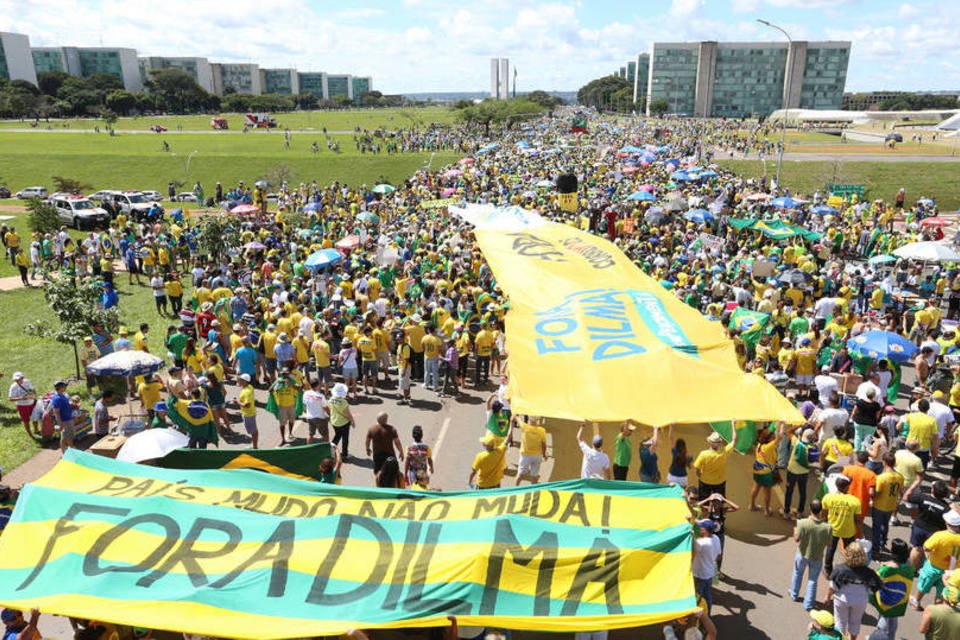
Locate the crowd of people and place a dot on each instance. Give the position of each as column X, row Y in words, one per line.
column 410, row 302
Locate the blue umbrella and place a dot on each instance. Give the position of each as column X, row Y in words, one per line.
column 824, row 210
column 323, row 258
column 312, row 206
column 878, row 344
column 680, row 176
column 709, row 173
column 784, row 202
column 700, row 216
column 642, row 196
column 884, row 258
column 631, row 149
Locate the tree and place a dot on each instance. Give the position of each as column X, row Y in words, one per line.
column 599, row 93
column 235, row 102
column 279, row 174
column 69, row 185
column 461, row 104
column 109, row 117
column 43, row 217
column 659, row 107
column 121, row 101
column 175, row 90
column 105, row 82
column 499, row 112
column 622, row 100
column 544, row 99
column 51, row 81
column 306, row 100
column 216, row 236
column 77, row 306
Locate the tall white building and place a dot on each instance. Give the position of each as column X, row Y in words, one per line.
column 16, row 59
column 499, row 78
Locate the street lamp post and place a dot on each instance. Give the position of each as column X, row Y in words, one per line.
column 786, row 99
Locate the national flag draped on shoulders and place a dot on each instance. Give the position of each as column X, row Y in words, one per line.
column 194, row 418
column 245, row 554
column 591, row 337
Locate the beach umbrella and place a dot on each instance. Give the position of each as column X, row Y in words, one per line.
column 152, row 444
column 642, row 196
column 794, row 276
column 383, row 188
column 784, row 202
column 654, row 215
column 882, row 259
column 449, row 191
column 312, row 206
column 824, row 210
column 256, row 246
column 126, row 363
column 709, row 173
column 452, row 173
column 928, row 252
column 936, row 221
column 261, row 183
column 323, row 258
column 646, row 187
column 700, row 216
column 466, row 161
column 545, row 183
column 630, row 170
column 926, row 202
column 350, row 242
column 244, row 210
column 680, row 176
column 878, row 344
column 368, row 217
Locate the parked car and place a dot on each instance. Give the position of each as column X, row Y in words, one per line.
column 219, row 123
column 186, row 196
column 155, row 196
column 98, row 195
column 4, row 192
column 131, row 203
column 32, row 192
column 79, row 212
column 158, row 128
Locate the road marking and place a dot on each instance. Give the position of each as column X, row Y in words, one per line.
column 443, row 433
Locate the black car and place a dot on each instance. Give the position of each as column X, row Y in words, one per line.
column 5, row 193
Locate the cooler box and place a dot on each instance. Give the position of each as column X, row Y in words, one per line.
column 108, row 446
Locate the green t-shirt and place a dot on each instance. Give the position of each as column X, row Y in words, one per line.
column 826, row 634
column 814, row 537
column 944, row 623
column 798, row 326
column 622, row 452
column 176, row 343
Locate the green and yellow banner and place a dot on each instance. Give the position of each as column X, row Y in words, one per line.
column 597, row 339
column 295, row 462
column 244, row 554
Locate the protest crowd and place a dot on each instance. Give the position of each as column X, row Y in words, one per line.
column 343, row 292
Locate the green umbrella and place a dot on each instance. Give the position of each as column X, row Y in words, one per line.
column 369, row 217
column 383, row 188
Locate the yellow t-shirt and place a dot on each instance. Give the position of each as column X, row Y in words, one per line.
column 712, row 465
column 301, row 350
column 887, row 491
column 921, row 428
column 286, row 394
column 173, row 288
column 431, row 347
column 367, row 348
column 381, row 341
column 248, row 407
column 766, row 458
column 269, row 340
column 415, row 334
column 321, row 352
column 835, row 448
column 806, row 360
column 532, row 439
column 942, row 546
column 149, row 393
column 490, row 466
column 484, row 343
column 842, row 509
column 909, row 466
column 139, row 341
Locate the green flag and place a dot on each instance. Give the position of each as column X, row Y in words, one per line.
column 751, row 325
column 746, row 433
column 298, row 462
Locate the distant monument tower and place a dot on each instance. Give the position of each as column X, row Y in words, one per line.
column 499, row 78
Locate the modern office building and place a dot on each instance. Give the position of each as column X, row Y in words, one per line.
column 640, row 78
column 312, row 82
column 737, row 79
column 631, row 72
column 361, row 85
column 199, row 69
column 121, row 63
column 500, row 78
column 283, row 81
column 16, row 60
column 338, row 85
column 241, row 77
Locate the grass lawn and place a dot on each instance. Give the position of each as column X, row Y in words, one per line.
column 344, row 120
column 938, row 180
column 44, row 361
column 138, row 162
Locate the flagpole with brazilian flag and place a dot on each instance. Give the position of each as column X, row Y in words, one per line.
column 194, row 418
column 750, row 324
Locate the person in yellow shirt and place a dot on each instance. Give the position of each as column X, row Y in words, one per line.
column 887, row 492
column 806, row 361
column 321, row 360
column 488, row 465
column 301, row 350
column 711, row 464
column 843, row 514
column 923, row 428
column 285, row 390
column 836, row 449
column 381, row 344
column 943, row 554
column 431, row 360
column 368, row 358
column 174, row 290
column 414, row 331
column 150, row 392
column 248, row 407
column 533, row 451
column 462, row 340
column 763, row 466
column 268, row 344
column 483, row 345
column 140, row 340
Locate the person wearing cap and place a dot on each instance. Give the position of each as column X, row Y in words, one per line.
column 488, row 466
column 942, row 550
column 850, row 586
column 843, row 514
column 707, row 551
column 23, row 395
column 812, row 535
column 89, row 353
column 711, row 464
column 596, row 463
column 248, row 408
column 942, row 621
column 284, row 351
column 17, row 628
column 341, row 419
column 160, row 412
column 62, row 411
column 649, row 462
column 821, row 626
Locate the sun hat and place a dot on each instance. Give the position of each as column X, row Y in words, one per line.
column 160, row 406
column 715, row 438
column 340, row 390
column 952, row 518
column 283, row 337
column 822, row 618
column 18, row 375
column 245, row 377
column 489, row 438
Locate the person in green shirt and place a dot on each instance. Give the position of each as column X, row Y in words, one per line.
column 942, row 621
column 821, row 626
column 330, row 468
column 160, row 416
column 622, row 452
column 176, row 344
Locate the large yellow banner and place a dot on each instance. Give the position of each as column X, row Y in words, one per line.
column 243, row 554
column 591, row 337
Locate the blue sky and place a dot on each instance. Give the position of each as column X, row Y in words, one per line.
column 445, row 45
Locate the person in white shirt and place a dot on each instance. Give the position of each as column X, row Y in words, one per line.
column 315, row 412
column 884, row 377
column 942, row 413
column 706, row 553
column 306, row 327
column 870, row 383
column 831, row 417
column 24, row 396
column 596, row 464
column 826, row 385
column 823, row 309
column 934, row 347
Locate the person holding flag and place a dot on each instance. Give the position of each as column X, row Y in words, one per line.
column 286, row 402
column 194, row 418
column 890, row 600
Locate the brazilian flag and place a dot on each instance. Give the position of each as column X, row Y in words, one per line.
column 193, row 417
column 301, row 462
column 751, row 325
column 891, row 599
column 746, row 433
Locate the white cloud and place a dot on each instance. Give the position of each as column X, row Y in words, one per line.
column 908, row 11
column 685, row 8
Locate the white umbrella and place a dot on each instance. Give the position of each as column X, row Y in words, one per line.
column 928, row 252
column 151, row 444
column 126, row 363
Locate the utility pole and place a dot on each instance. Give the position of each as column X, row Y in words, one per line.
column 788, row 73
